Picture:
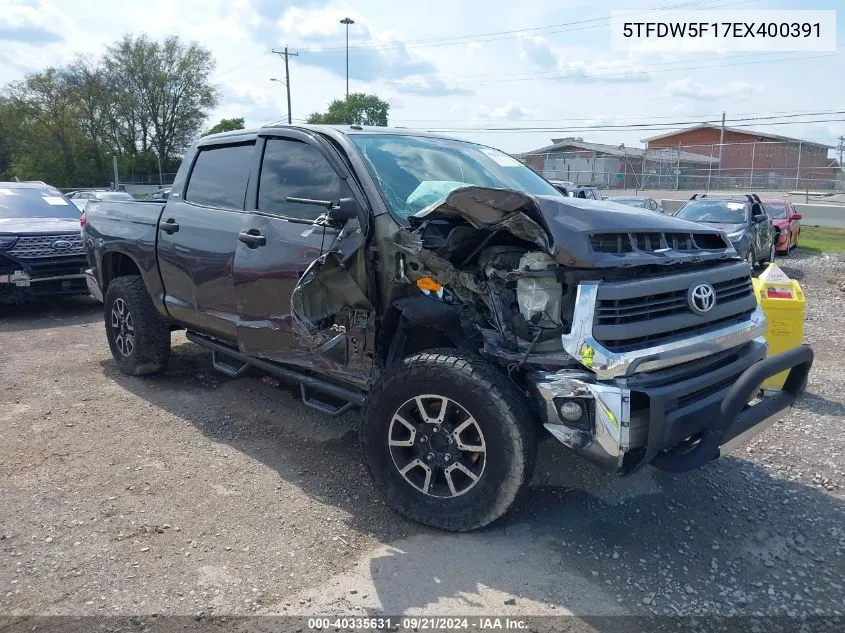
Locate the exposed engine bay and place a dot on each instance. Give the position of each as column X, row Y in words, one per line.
column 509, row 269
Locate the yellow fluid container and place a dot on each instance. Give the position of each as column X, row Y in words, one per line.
column 782, row 301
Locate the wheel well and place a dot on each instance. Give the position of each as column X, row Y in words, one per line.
column 419, row 339
column 118, row 265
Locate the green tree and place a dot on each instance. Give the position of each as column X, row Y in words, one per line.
column 142, row 101
column 167, row 87
column 357, row 109
column 227, row 125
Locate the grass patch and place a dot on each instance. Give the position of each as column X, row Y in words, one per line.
column 822, row 240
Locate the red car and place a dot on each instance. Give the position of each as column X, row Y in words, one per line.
column 786, row 222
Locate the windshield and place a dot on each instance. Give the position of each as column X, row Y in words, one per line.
column 113, row 195
column 414, row 172
column 776, row 211
column 631, row 202
column 35, row 202
column 716, row 211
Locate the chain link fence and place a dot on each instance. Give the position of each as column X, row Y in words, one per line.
column 756, row 166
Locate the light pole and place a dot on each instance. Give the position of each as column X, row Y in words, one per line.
column 288, row 90
column 158, row 160
column 347, row 22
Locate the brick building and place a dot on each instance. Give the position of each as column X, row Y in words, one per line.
column 753, row 160
column 615, row 166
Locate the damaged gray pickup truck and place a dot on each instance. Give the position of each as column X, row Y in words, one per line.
column 452, row 293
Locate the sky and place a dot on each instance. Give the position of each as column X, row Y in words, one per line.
column 457, row 65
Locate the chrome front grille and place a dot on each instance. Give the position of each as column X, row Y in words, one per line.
column 647, row 312
column 644, row 308
column 41, row 246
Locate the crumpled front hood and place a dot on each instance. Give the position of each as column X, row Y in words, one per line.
column 36, row 226
column 599, row 216
column 572, row 222
column 564, row 226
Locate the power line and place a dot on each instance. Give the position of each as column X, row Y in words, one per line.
column 539, row 30
column 603, row 75
column 703, row 117
column 641, row 126
column 672, row 124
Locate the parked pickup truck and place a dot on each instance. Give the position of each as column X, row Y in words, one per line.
column 452, row 293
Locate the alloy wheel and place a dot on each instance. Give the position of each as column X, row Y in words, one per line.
column 437, row 446
column 122, row 329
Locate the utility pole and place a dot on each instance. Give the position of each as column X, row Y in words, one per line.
column 347, row 22
column 286, row 55
column 116, row 178
column 721, row 142
column 841, row 148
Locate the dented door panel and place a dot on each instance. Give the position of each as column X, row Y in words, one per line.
column 265, row 277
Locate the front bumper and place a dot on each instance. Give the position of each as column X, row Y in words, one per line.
column 678, row 418
column 21, row 283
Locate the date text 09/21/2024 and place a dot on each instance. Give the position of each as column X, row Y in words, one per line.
column 419, row 623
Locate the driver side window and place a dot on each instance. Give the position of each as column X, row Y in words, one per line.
column 297, row 170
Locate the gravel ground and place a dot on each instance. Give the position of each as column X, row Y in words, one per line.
column 193, row 493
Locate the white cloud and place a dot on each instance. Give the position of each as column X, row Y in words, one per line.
column 691, row 89
column 539, row 52
column 511, row 111
column 609, row 71
column 374, row 55
column 33, row 24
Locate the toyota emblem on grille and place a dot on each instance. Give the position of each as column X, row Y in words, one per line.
column 61, row 245
column 702, row 298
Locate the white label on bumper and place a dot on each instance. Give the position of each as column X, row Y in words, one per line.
column 19, row 278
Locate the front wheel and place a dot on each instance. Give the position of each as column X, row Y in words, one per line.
column 449, row 440
column 138, row 336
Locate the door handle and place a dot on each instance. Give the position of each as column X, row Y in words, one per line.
column 252, row 238
column 169, row 226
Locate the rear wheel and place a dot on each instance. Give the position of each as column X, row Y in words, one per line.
column 138, row 336
column 449, row 440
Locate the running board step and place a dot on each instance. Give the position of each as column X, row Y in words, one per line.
column 347, row 397
column 223, row 364
column 328, row 408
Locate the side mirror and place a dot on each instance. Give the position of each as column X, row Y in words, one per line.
column 346, row 209
column 761, row 217
column 796, row 216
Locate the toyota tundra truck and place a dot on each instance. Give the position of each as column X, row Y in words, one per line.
column 455, row 297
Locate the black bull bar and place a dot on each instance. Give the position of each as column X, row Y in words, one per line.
column 737, row 419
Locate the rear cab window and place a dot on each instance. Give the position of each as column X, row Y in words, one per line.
column 220, row 175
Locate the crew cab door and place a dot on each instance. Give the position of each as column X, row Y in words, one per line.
column 277, row 242
column 197, row 236
column 762, row 233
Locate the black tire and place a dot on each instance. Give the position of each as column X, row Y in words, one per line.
column 507, row 427
column 149, row 332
